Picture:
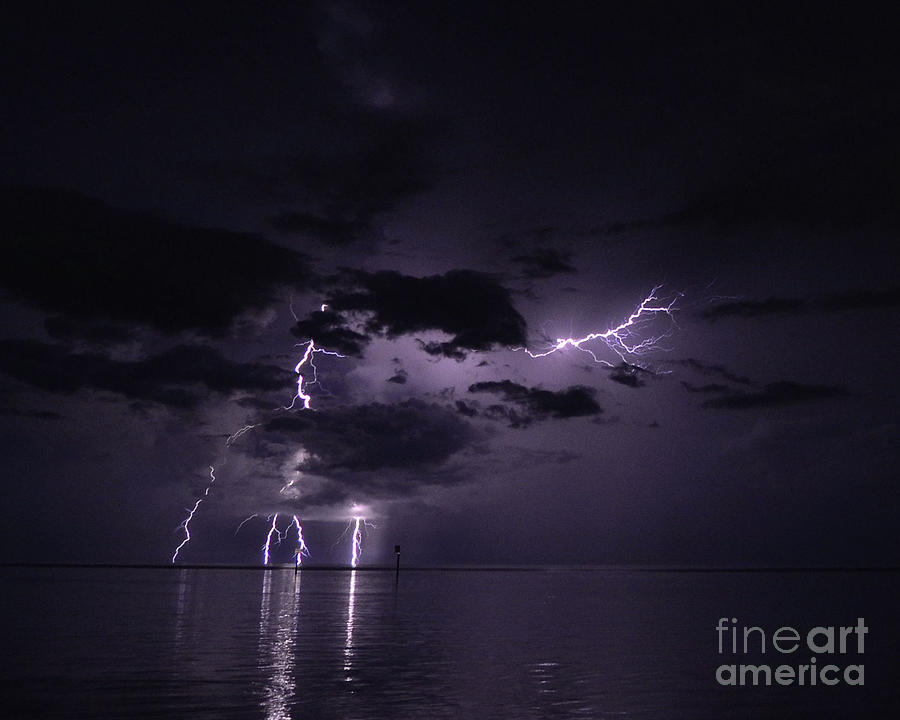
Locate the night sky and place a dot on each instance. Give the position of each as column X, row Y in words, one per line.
column 184, row 187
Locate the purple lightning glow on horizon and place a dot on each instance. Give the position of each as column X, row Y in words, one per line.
column 623, row 339
column 629, row 340
column 305, row 399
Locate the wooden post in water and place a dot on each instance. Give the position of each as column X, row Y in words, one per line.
column 397, row 571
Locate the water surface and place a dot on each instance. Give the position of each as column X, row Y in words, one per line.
column 224, row 643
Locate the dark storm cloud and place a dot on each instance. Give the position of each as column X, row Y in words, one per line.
column 380, row 161
column 627, row 375
column 715, row 371
column 841, row 174
column 471, row 307
column 400, row 377
column 352, row 41
column 707, row 388
column 536, row 404
column 775, row 394
column 833, row 163
column 728, row 397
column 256, row 403
column 544, row 263
column 66, row 253
column 68, row 329
column 443, row 349
column 533, row 238
column 844, row 186
column 756, row 308
column 327, row 328
column 855, row 299
column 515, row 418
column 325, row 230
column 33, row 414
column 170, row 378
column 378, row 450
column 377, row 436
column 862, row 299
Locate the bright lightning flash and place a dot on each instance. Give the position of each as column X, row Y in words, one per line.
column 357, row 540
column 305, row 399
column 625, row 339
column 280, row 535
column 272, row 531
column 356, row 527
column 308, row 357
column 301, row 545
column 187, row 521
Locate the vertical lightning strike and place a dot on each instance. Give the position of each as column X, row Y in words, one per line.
column 355, row 528
column 301, row 545
column 184, row 526
column 305, row 399
column 624, row 339
column 187, row 521
column 308, row 357
column 272, row 531
column 357, row 541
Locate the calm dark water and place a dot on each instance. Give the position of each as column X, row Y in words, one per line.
column 117, row 643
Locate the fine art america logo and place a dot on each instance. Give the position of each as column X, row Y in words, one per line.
column 836, row 643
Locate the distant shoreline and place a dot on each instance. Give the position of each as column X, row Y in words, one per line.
column 455, row 568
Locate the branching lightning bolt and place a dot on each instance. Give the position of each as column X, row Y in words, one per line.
column 280, row 535
column 308, row 357
column 301, row 545
column 355, row 528
column 272, row 531
column 624, row 339
column 305, row 400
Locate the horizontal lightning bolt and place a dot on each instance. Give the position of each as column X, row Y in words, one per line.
column 247, row 428
column 623, row 339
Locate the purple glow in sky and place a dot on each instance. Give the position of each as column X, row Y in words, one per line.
column 453, row 214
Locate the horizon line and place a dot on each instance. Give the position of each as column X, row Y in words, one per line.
column 464, row 567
